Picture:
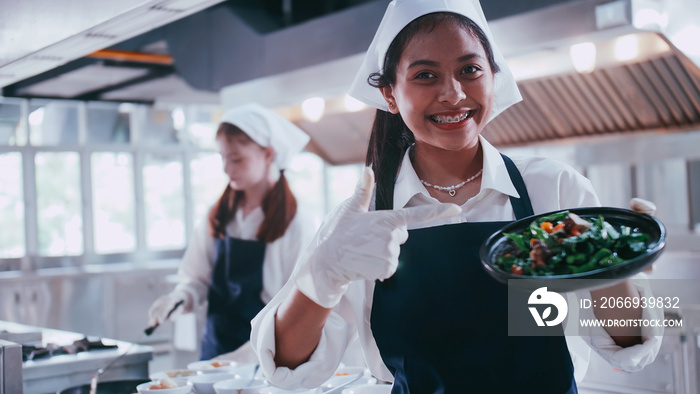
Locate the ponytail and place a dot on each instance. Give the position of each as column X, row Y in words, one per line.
column 279, row 207
column 223, row 211
column 388, row 142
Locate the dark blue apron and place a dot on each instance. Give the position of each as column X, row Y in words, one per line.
column 234, row 295
column 441, row 323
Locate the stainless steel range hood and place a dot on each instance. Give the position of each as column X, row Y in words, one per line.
column 644, row 73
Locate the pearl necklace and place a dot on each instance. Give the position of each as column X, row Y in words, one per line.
column 452, row 190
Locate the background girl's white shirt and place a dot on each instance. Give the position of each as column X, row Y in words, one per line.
column 280, row 256
column 551, row 186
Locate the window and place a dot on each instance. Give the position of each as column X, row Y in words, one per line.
column 11, row 132
column 164, row 204
column 113, row 202
column 201, row 127
column 305, row 177
column 108, row 123
column 341, row 182
column 158, row 128
column 11, row 207
column 59, row 203
column 207, row 183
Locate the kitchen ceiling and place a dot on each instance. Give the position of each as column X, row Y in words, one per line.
column 212, row 43
column 192, row 33
column 280, row 52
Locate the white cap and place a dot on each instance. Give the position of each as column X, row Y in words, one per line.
column 399, row 14
column 267, row 128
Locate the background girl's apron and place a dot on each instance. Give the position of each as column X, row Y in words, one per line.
column 441, row 323
column 234, row 295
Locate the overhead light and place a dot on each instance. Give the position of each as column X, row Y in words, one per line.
column 583, row 57
column 178, row 116
column 352, row 104
column 312, row 109
column 627, row 47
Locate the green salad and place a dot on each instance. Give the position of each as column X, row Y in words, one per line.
column 564, row 243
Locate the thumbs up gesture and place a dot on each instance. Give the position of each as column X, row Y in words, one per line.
column 355, row 244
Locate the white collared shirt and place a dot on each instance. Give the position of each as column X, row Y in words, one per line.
column 280, row 256
column 551, row 186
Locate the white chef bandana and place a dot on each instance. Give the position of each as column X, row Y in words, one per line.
column 267, row 128
column 399, row 14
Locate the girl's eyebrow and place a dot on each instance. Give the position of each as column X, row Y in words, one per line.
column 425, row 62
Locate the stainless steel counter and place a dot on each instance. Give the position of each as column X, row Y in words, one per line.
column 49, row 375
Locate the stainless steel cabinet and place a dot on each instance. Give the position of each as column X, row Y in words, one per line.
column 26, row 301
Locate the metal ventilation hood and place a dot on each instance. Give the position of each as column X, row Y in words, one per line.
column 41, row 35
column 206, row 46
column 646, row 74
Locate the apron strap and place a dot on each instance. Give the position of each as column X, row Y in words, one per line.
column 521, row 206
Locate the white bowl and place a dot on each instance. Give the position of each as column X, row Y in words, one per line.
column 173, row 374
column 344, row 375
column 239, row 386
column 209, row 366
column 243, row 371
column 368, row 389
column 183, row 387
column 204, row 384
column 278, row 390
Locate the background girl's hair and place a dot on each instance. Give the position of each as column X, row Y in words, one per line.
column 390, row 137
column 279, row 205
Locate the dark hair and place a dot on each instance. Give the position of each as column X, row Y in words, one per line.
column 279, row 205
column 390, row 137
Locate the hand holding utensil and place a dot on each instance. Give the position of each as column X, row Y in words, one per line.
column 149, row 330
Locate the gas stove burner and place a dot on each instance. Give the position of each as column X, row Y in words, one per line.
column 30, row 352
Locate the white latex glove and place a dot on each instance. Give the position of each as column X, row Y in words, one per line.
column 642, row 206
column 167, row 307
column 354, row 244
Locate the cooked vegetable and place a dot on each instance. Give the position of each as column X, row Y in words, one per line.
column 564, row 243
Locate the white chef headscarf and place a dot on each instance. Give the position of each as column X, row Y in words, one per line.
column 399, row 14
column 267, row 128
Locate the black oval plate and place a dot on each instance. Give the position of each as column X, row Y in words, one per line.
column 497, row 243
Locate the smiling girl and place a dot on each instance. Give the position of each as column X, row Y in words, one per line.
column 400, row 267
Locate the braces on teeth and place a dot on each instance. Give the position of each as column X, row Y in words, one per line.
column 450, row 119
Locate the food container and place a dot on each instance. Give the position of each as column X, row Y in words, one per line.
column 240, row 386
column 204, row 383
column 183, row 387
